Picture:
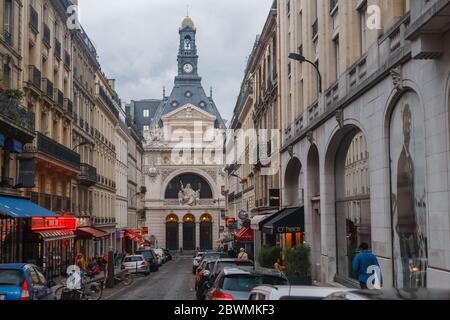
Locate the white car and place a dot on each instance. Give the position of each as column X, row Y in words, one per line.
column 161, row 255
column 267, row 292
column 196, row 261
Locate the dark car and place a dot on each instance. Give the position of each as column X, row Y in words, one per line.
column 210, row 275
column 151, row 258
column 24, row 282
column 168, row 255
column 213, row 255
column 392, row 294
column 204, row 271
column 237, row 283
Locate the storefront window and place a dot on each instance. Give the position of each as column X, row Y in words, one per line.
column 353, row 221
column 408, row 187
column 8, row 240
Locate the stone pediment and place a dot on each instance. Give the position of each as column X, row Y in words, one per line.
column 188, row 112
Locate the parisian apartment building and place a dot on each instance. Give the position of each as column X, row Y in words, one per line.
column 63, row 127
column 363, row 112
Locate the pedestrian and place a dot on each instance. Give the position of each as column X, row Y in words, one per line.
column 92, row 266
column 81, row 263
column 243, row 255
column 279, row 266
column 363, row 260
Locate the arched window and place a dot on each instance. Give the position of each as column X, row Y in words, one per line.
column 188, row 180
column 293, row 193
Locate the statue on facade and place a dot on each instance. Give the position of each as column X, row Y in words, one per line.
column 188, row 196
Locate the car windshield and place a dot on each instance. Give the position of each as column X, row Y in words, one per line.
column 133, row 259
column 226, row 264
column 146, row 254
column 247, row 282
column 214, row 256
column 11, row 277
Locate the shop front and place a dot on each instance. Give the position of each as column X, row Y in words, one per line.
column 136, row 240
column 53, row 244
column 285, row 228
column 87, row 239
column 244, row 238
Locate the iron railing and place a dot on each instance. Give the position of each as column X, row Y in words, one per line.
column 16, row 114
column 7, row 37
column 53, row 149
column 88, row 174
column 47, row 87
column 59, row 98
column 35, row 77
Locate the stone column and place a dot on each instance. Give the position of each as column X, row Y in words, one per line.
column 197, row 235
column 180, row 235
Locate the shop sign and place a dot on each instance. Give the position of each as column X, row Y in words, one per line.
column 289, row 229
column 53, row 223
column 274, row 197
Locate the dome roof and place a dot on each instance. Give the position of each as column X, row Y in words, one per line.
column 187, row 22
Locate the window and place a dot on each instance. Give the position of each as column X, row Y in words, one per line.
column 363, row 28
column 146, row 128
column 8, row 16
column 336, row 56
column 146, row 113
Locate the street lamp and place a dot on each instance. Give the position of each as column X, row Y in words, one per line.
column 84, row 143
column 301, row 58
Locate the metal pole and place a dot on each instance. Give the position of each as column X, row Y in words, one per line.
column 110, row 277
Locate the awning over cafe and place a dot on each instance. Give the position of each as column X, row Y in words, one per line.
column 244, row 235
column 16, row 207
column 89, row 233
column 256, row 221
column 53, row 235
column 290, row 220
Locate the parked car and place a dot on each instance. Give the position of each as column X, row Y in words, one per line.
column 196, row 261
column 161, row 255
column 237, row 283
column 268, row 292
column 136, row 264
column 392, row 294
column 209, row 274
column 213, row 255
column 24, row 282
column 202, row 277
column 168, row 254
column 151, row 258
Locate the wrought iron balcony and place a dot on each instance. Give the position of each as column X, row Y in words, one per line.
column 47, row 87
column 68, row 106
column 57, row 49
column 34, row 19
column 16, row 114
column 59, row 98
column 46, row 35
column 7, row 37
column 88, row 175
column 49, row 147
column 67, row 59
column 34, row 77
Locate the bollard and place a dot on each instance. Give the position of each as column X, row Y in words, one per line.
column 110, row 268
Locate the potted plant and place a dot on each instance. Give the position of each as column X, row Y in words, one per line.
column 268, row 255
column 298, row 265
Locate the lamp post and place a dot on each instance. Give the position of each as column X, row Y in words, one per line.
column 301, row 58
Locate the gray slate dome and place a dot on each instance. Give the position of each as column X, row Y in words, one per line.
column 187, row 22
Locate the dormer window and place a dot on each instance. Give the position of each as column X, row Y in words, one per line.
column 146, row 113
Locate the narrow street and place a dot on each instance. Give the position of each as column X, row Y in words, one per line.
column 173, row 281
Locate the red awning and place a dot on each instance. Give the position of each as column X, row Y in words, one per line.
column 244, row 235
column 55, row 234
column 91, row 233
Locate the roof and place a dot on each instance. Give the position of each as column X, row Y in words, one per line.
column 188, row 22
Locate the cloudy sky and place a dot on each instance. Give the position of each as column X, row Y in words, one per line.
column 137, row 41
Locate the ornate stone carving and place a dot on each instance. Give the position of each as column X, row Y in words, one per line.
column 397, row 79
column 188, row 196
column 165, row 173
column 340, row 118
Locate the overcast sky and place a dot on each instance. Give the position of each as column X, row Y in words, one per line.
column 137, row 41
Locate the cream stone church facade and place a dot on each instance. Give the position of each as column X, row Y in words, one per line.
column 182, row 169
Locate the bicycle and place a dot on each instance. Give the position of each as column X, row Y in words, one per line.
column 89, row 291
column 124, row 278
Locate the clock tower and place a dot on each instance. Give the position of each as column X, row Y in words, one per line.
column 187, row 54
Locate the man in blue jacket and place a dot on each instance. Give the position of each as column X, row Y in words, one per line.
column 365, row 264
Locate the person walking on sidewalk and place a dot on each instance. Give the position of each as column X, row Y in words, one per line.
column 279, row 266
column 243, row 255
column 365, row 265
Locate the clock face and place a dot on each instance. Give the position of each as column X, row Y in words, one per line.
column 188, row 68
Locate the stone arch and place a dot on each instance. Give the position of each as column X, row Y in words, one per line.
column 192, row 170
column 293, row 193
column 172, row 232
column 189, row 232
column 346, row 212
column 206, row 232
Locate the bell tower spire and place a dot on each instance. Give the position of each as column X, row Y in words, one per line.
column 187, row 54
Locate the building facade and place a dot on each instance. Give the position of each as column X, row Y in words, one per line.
column 184, row 199
column 370, row 152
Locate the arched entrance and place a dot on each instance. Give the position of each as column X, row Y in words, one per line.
column 206, row 232
column 314, row 194
column 189, row 232
column 352, row 194
column 293, row 193
column 408, row 192
column 172, row 232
